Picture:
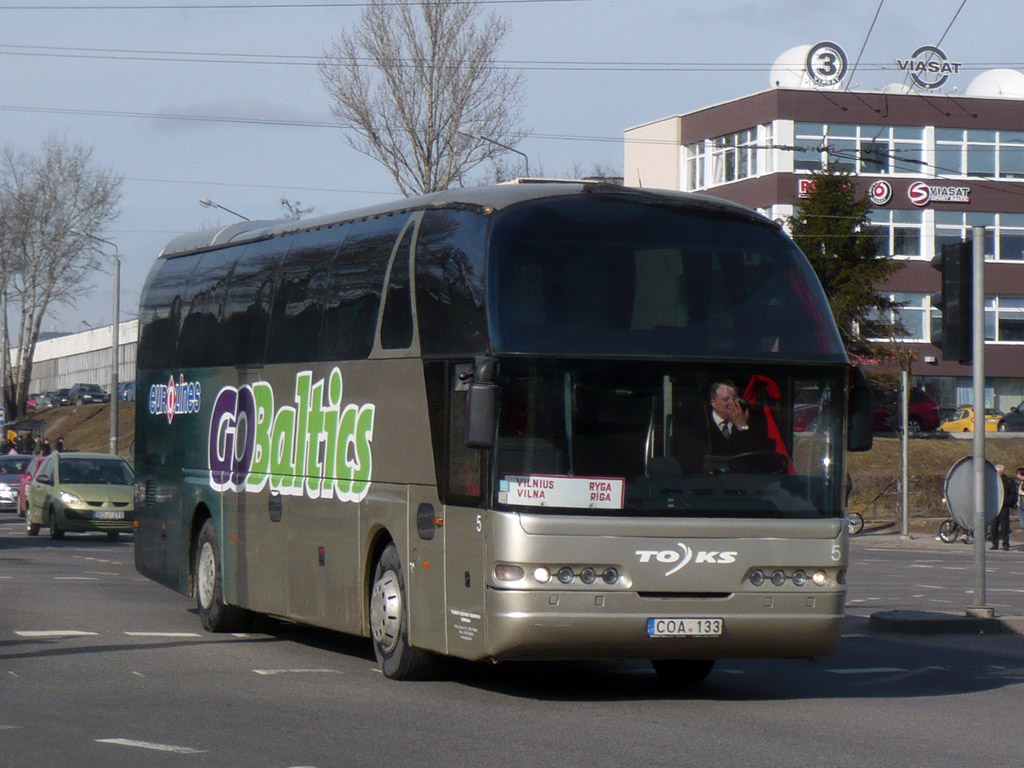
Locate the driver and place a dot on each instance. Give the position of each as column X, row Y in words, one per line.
column 732, row 428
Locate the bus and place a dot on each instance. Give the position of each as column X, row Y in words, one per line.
column 476, row 424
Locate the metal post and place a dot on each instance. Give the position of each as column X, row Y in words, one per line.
column 978, row 311
column 905, row 445
column 115, row 401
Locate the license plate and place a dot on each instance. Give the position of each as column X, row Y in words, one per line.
column 676, row 627
column 109, row 514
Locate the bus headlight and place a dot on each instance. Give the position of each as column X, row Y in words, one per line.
column 543, row 575
column 778, row 578
column 508, row 572
column 565, row 574
column 610, row 576
column 757, row 577
column 799, row 578
column 588, row 575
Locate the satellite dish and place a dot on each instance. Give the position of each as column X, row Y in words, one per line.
column 998, row 84
column 959, row 489
column 789, row 70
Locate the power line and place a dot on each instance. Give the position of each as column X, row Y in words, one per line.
column 256, row 6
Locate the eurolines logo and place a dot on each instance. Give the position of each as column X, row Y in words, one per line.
column 171, row 399
column 315, row 447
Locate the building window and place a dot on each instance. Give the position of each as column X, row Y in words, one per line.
column 1004, row 319
column 1004, row 232
column 899, row 232
column 913, row 315
column 862, row 149
column 982, row 154
column 734, row 157
column 695, row 166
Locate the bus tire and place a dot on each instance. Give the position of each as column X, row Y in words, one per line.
column 682, row 673
column 389, row 622
column 215, row 615
column 33, row 529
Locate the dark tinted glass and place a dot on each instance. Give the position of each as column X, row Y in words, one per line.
column 592, row 275
column 246, row 317
column 297, row 311
column 356, row 284
column 449, row 282
column 161, row 311
column 396, row 322
column 197, row 340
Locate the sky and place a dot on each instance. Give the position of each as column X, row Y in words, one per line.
column 117, row 76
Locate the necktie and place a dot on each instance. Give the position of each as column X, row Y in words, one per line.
column 726, row 432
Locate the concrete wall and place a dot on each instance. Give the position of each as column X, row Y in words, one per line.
column 653, row 155
column 84, row 358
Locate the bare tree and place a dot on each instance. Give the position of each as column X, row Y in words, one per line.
column 50, row 205
column 294, row 211
column 416, row 87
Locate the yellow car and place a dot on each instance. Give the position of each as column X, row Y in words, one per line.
column 963, row 420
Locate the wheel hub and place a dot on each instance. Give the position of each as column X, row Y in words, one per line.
column 205, row 574
column 386, row 611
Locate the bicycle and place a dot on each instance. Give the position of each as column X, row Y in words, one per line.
column 950, row 530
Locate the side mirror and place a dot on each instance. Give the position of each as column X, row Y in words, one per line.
column 482, row 405
column 861, row 424
column 44, row 479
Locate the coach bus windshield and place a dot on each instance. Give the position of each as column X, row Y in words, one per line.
column 617, row 276
column 643, row 439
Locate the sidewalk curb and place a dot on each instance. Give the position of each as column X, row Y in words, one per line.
column 928, row 623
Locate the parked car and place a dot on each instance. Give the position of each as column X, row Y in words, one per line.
column 80, row 394
column 26, row 479
column 82, row 492
column 126, row 390
column 12, row 469
column 963, row 420
column 63, row 397
column 1013, row 420
column 922, row 413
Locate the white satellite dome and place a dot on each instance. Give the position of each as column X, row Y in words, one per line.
column 897, row 88
column 998, row 83
column 789, row 70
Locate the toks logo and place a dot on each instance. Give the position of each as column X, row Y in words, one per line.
column 316, row 447
column 680, row 559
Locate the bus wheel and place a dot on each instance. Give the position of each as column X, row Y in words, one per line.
column 680, row 673
column 389, row 622
column 214, row 614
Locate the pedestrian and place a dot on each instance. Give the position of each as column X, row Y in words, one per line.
column 46, row 447
column 60, row 445
column 1001, row 525
column 1020, row 497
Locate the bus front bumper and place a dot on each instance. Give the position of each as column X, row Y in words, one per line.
column 597, row 625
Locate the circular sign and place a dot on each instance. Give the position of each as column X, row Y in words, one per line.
column 930, row 68
column 880, row 192
column 826, row 64
column 919, row 193
column 959, row 490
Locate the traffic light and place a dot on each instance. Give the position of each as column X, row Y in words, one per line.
column 954, row 301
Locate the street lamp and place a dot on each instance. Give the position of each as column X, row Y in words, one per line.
column 208, row 203
column 115, row 328
column 465, row 132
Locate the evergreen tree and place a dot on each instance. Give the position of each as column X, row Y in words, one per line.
column 831, row 227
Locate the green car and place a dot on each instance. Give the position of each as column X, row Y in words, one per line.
column 82, row 492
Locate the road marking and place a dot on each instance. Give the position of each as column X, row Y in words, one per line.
column 53, row 633
column 296, row 671
column 163, row 634
column 868, row 671
column 152, row 745
column 75, row 578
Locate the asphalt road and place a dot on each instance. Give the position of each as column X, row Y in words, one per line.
column 100, row 667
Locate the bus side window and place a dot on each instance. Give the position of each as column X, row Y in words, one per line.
column 200, row 327
column 296, row 312
column 450, row 282
column 243, row 336
column 353, row 298
column 160, row 315
column 396, row 322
